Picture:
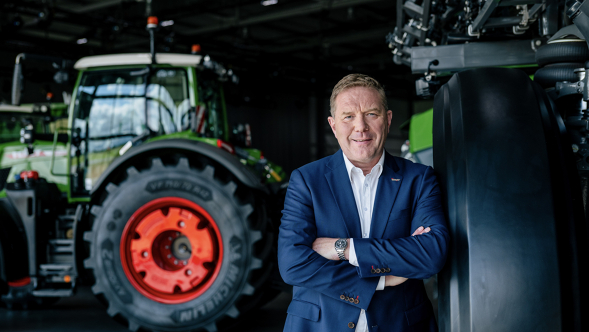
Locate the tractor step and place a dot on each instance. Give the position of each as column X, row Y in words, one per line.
column 55, row 268
column 58, row 246
column 57, row 273
column 53, row 292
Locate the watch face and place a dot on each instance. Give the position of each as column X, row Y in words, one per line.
column 341, row 244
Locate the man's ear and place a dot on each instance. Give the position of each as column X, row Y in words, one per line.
column 389, row 118
column 331, row 121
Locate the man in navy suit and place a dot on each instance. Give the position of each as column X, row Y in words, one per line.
column 361, row 228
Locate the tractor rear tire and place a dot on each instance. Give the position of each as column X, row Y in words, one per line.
column 172, row 249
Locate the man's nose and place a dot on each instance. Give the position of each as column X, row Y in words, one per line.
column 360, row 124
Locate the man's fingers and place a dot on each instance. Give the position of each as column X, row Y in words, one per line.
column 418, row 231
column 391, row 281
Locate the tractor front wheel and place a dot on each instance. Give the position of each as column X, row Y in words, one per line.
column 172, row 249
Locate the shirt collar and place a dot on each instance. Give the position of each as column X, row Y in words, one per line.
column 350, row 167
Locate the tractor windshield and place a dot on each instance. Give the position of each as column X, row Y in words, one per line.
column 115, row 107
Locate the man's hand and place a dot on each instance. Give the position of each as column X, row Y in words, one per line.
column 390, row 281
column 325, row 246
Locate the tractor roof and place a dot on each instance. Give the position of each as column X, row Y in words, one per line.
column 137, row 59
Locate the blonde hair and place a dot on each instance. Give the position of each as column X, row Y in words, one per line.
column 353, row 80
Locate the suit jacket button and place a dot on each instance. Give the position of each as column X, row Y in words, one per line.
column 351, row 325
column 356, row 301
column 387, row 270
column 343, row 297
column 351, row 300
column 377, row 270
column 373, row 271
column 347, row 298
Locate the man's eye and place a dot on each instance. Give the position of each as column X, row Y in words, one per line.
column 348, row 117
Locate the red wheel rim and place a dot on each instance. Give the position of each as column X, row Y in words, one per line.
column 171, row 250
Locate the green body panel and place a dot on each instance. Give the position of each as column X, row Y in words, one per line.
column 59, row 109
column 249, row 157
column 16, row 156
column 70, row 125
column 420, row 131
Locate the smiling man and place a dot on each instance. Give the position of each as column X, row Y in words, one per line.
column 361, row 228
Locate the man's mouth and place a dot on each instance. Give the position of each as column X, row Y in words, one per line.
column 361, row 140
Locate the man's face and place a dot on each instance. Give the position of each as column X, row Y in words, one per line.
column 361, row 125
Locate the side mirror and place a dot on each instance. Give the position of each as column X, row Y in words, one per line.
column 17, row 80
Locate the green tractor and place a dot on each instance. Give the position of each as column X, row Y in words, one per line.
column 137, row 191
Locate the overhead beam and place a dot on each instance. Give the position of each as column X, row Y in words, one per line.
column 276, row 15
column 91, row 7
column 332, row 40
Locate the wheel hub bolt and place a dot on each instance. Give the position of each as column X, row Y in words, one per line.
column 181, row 224
column 175, row 262
column 169, row 256
column 144, row 254
column 185, row 262
column 188, row 272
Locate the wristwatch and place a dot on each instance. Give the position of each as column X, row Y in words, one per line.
column 340, row 247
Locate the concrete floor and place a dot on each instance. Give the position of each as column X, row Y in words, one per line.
column 83, row 313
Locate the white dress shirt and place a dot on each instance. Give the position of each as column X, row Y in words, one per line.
column 364, row 188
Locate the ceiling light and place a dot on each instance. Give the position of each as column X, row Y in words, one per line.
column 167, row 23
column 82, row 41
column 269, row 2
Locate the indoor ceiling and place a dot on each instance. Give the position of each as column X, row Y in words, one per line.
column 294, row 39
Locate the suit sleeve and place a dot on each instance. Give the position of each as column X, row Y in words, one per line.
column 301, row 266
column 414, row 257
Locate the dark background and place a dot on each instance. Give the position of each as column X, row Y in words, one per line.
column 288, row 57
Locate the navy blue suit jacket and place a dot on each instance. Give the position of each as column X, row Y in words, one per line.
column 320, row 203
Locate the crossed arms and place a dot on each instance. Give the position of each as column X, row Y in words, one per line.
column 325, row 246
column 416, row 257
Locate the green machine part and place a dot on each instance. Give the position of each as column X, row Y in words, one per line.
column 420, row 131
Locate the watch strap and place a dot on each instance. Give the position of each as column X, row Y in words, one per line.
column 340, row 250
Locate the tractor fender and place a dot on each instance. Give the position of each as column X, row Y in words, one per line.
column 14, row 241
column 225, row 159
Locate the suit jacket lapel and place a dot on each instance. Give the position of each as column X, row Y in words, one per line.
column 389, row 184
column 341, row 188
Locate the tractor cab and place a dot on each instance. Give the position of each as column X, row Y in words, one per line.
column 124, row 100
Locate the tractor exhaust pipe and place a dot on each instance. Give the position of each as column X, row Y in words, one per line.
column 17, row 81
column 152, row 24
